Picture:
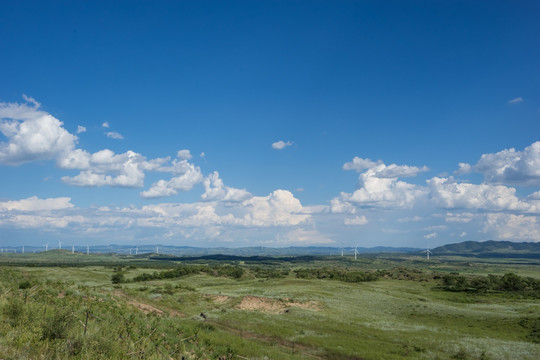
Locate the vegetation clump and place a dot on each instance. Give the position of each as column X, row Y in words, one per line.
column 508, row 283
column 351, row 276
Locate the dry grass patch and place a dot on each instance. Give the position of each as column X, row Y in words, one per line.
column 275, row 306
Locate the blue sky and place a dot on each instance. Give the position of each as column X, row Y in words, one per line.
column 277, row 123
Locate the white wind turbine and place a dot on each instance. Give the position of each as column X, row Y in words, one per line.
column 46, row 247
column 427, row 252
column 59, row 245
column 87, row 250
column 355, row 252
column 341, row 252
column 73, row 248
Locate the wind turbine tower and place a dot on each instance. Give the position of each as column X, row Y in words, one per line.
column 136, row 250
column 59, row 245
column 87, row 250
column 341, row 252
column 23, row 249
column 355, row 252
column 157, row 249
column 427, row 253
column 73, row 248
column 46, row 247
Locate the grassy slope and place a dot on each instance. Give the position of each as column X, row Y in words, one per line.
column 388, row 319
column 384, row 319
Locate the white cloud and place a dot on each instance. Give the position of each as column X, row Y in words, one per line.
column 189, row 176
column 184, row 154
column 279, row 145
column 32, row 101
column 464, row 168
column 515, row 100
column 379, row 187
column 357, row 220
column 464, row 217
column 202, row 155
column 512, row 227
column 32, row 135
column 432, row 235
column 463, row 234
column 105, row 125
column 216, row 190
column 379, row 169
column 35, row 204
column 280, row 208
column 360, row 164
column 512, row 167
column 383, row 192
column 305, row 237
column 105, row 168
column 450, row 195
column 114, row 135
column 80, row 129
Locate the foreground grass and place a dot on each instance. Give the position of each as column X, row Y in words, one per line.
column 203, row 316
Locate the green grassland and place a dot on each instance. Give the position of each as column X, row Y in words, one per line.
column 60, row 305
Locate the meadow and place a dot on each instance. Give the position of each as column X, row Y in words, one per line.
column 60, row 305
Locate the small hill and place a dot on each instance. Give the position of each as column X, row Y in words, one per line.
column 491, row 248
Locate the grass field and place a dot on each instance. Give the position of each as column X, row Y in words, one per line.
column 404, row 314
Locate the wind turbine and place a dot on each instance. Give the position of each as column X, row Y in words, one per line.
column 157, row 249
column 355, row 252
column 87, row 249
column 46, row 247
column 23, row 249
column 73, row 248
column 427, row 252
column 136, row 250
column 129, row 251
column 59, row 245
column 341, row 252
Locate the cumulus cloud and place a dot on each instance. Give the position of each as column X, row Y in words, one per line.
column 450, row 195
column 379, row 187
column 105, row 125
column 188, row 176
column 280, row 208
column 34, row 212
column 432, row 235
column 512, row 227
column 464, row 168
column 279, row 145
column 216, row 190
column 379, row 169
column 515, row 100
column 512, row 167
column 379, row 192
column 114, row 135
column 107, row 168
column 184, row 154
column 80, row 129
column 32, row 134
column 357, row 220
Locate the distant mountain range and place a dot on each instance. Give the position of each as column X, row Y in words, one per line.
column 491, row 248
column 248, row 251
column 467, row 248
